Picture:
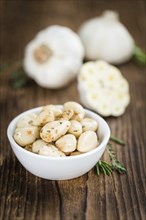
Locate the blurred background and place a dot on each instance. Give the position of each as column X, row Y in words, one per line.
column 24, row 196
column 21, row 20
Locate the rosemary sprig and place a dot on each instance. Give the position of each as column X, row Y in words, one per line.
column 139, row 56
column 19, row 78
column 103, row 167
column 115, row 165
column 116, row 140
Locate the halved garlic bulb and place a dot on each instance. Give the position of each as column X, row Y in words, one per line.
column 103, row 89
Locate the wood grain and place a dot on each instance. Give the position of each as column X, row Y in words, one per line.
column 89, row 197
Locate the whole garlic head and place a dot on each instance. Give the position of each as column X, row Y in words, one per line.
column 53, row 58
column 106, row 38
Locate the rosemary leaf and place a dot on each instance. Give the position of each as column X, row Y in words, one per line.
column 97, row 168
column 103, row 170
column 116, row 140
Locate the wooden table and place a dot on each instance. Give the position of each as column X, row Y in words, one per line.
column 90, row 197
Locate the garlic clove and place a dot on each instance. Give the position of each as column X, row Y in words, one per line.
column 36, row 146
column 51, row 150
column 89, row 124
column 67, row 143
column 44, row 117
column 77, row 108
column 75, row 153
column 54, row 130
column 75, row 128
column 67, row 114
column 26, row 120
column 87, row 141
column 26, row 135
column 55, row 109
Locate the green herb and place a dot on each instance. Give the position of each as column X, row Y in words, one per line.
column 114, row 165
column 19, row 78
column 103, row 167
column 116, row 140
column 139, row 56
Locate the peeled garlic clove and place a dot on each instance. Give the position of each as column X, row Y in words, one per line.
column 55, row 109
column 75, row 153
column 67, row 114
column 75, row 128
column 106, row 92
column 27, row 135
column 77, row 108
column 105, row 37
column 26, row 121
column 89, row 124
column 51, row 151
column 87, row 141
column 54, row 130
column 36, row 146
column 44, row 117
column 28, row 148
column 67, row 143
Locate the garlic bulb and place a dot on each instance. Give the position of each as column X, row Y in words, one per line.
column 53, row 58
column 106, row 38
column 103, row 89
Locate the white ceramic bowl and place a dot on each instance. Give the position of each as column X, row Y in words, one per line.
column 59, row 168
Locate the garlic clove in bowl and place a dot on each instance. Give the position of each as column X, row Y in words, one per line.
column 58, row 167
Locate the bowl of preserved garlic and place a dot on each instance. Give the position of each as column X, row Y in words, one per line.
column 58, row 142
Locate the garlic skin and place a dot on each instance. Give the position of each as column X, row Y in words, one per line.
column 53, row 58
column 106, row 38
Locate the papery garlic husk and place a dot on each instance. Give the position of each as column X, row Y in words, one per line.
column 103, row 88
column 106, row 38
column 54, row 57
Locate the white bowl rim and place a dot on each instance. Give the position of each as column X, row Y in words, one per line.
column 33, row 110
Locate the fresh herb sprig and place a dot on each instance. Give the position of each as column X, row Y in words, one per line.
column 139, row 55
column 103, row 167
column 116, row 140
column 18, row 78
column 115, row 164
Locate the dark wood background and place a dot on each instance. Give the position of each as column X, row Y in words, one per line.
column 90, row 197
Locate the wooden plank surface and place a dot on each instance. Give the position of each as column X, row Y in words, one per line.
column 89, row 197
